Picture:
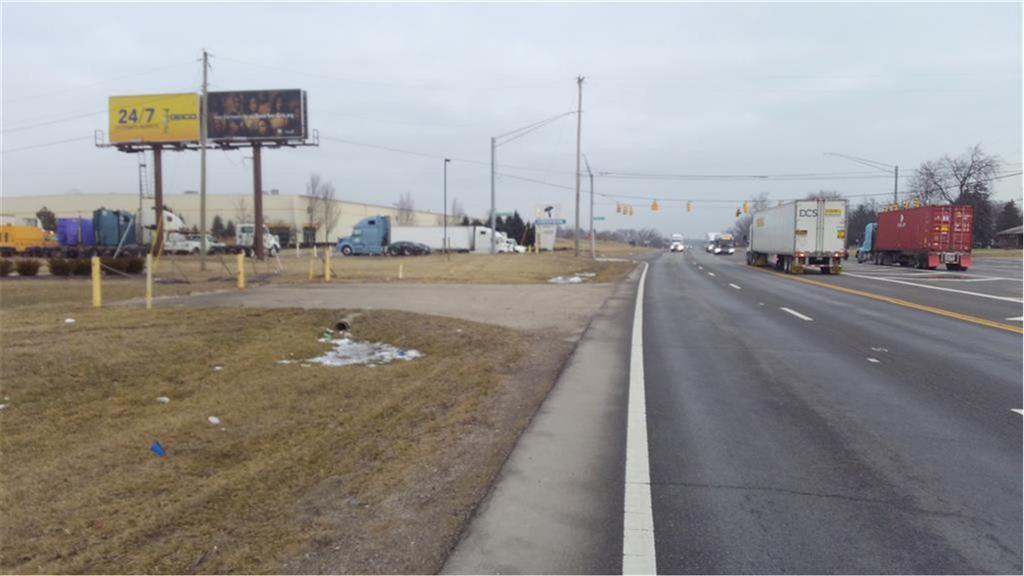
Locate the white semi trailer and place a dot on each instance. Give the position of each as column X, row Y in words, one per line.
column 799, row 234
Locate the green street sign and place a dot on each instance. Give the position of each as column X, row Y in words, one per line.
column 503, row 214
column 598, row 218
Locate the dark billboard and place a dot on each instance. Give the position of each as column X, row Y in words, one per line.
column 257, row 115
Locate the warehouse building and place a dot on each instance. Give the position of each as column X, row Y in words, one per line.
column 291, row 217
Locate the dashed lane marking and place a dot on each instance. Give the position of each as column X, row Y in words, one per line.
column 795, row 313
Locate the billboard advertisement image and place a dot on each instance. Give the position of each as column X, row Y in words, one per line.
column 154, row 118
column 257, row 115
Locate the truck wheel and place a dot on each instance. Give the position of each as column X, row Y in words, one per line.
column 195, row 251
column 273, row 251
column 346, row 250
column 826, row 269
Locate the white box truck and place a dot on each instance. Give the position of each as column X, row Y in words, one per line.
column 799, row 234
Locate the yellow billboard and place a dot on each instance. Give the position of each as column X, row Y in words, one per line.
column 154, row 118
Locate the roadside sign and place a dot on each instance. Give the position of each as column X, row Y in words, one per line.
column 550, row 221
column 503, row 214
column 598, row 218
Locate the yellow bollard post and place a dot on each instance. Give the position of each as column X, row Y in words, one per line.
column 149, row 281
column 241, row 271
column 327, row 264
column 399, row 271
column 97, row 289
column 311, row 264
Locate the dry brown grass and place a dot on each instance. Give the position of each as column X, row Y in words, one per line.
column 81, row 492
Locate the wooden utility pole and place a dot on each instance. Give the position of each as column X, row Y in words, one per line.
column 257, row 200
column 158, row 192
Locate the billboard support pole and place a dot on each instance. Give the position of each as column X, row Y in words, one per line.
column 158, row 192
column 257, row 201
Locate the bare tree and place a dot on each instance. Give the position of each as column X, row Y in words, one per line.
column 406, row 210
column 825, row 195
column 242, row 212
column 952, row 179
column 323, row 209
column 741, row 229
column 457, row 213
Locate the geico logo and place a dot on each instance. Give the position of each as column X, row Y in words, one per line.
column 812, row 213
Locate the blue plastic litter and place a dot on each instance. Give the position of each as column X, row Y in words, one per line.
column 157, row 449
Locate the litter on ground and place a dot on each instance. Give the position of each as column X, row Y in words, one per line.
column 217, row 367
column 3, row 406
column 157, row 449
column 163, row 399
column 69, row 320
column 214, row 420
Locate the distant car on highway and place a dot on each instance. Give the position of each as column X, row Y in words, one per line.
column 407, row 248
column 677, row 247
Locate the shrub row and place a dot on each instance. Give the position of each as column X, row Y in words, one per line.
column 24, row 267
column 83, row 266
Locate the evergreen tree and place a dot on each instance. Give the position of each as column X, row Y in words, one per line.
column 217, row 229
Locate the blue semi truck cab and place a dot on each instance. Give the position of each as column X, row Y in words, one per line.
column 370, row 236
column 864, row 250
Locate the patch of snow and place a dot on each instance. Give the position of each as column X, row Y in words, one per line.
column 214, row 420
column 69, row 320
column 347, row 352
column 163, row 399
column 565, row 280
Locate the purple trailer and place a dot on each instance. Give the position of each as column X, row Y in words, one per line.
column 73, row 232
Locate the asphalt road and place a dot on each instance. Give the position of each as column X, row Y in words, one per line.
column 798, row 428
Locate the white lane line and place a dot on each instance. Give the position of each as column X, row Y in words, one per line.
column 1018, row 411
column 797, row 314
column 978, row 294
column 735, row 286
column 638, row 556
column 1018, row 318
column 873, row 360
column 711, row 273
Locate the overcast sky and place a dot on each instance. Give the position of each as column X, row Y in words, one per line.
column 709, row 89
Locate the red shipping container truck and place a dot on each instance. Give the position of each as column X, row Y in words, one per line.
column 924, row 237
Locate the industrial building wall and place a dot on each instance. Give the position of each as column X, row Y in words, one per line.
column 278, row 210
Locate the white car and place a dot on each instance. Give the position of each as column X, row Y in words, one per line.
column 677, row 247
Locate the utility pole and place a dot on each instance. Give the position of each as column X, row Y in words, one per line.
column 445, row 208
column 593, row 248
column 579, row 131
column 896, row 185
column 494, row 246
column 202, row 168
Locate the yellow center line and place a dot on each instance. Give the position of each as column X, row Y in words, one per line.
column 901, row 302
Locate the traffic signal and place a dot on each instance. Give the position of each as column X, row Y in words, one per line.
column 689, row 206
column 654, row 206
column 618, row 208
column 746, row 207
column 737, row 212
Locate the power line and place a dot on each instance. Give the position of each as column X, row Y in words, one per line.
column 104, row 81
column 45, row 144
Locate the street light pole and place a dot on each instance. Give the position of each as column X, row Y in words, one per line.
column 494, row 246
column 579, row 131
column 444, row 244
column 593, row 249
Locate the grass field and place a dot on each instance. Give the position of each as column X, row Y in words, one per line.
column 998, row 253
column 179, row 275
column 353, row 459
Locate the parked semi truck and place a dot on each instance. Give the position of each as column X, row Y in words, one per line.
column 923, row 237
column 373, row 235
column 799, row 234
